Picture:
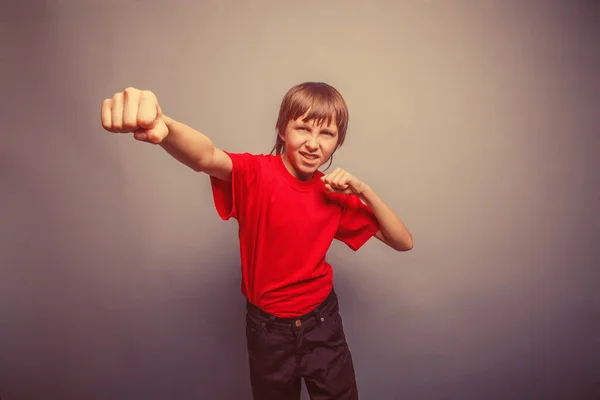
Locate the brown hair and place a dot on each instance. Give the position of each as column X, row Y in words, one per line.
column 323, row 101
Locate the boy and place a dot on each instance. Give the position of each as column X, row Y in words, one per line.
column 288, row 214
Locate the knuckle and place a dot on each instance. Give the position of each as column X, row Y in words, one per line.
column 130, row 92
column 147, row 94
column 130, row 125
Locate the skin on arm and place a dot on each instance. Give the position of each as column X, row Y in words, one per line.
column 196, row 150
column 138, row 112
column 392, row 231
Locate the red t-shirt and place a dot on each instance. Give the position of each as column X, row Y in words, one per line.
column 285, row 229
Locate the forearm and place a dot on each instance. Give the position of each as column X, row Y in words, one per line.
column 187, row 145
column 392, row 228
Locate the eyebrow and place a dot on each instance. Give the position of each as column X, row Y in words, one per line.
column 307, row 125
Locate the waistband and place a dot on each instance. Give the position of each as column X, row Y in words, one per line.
column 328, row 305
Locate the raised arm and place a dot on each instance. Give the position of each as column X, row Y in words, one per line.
column 392, row 231
column 138, row 112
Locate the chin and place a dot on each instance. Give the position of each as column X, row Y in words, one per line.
column 304, row 170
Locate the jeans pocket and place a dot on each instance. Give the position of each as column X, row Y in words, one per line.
column 332, row 321
column 255, row 327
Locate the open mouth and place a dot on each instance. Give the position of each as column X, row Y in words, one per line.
column 309, row 157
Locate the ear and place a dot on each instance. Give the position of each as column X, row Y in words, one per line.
column 281, row 138
column 281, row 133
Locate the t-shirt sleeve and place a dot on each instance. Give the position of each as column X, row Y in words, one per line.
column 357, row 223
column 229, row 196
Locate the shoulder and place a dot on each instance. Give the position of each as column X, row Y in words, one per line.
column 346, row 201
column 249, row 160
column 245, row 155
column 259, row 157
column 341, row 200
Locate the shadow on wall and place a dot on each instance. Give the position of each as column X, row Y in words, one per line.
column 194, row 342
column 176, row 333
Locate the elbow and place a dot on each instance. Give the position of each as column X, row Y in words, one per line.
column 197, row 167
column 400, row 243
column 204, row 162
column 405, row 245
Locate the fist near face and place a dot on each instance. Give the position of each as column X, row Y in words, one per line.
column 341, row 181
column 134, row 111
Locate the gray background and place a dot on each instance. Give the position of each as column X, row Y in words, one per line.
column 477, row 121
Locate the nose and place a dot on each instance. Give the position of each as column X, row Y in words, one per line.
column 312, row 143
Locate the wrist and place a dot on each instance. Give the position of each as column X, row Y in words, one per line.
column 170, row 124
column 168, row 121
column 365, row 193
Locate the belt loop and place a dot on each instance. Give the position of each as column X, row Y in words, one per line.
column 266, row 325
column 318, row 316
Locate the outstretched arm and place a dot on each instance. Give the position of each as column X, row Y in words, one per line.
column 195, row 150
column 392, row 231
column 138, row 112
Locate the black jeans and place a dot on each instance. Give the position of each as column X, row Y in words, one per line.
column 313, row 346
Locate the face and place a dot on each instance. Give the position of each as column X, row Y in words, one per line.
column 308, row 146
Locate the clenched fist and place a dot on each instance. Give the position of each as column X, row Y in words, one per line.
column 135, row 111
column 342, row 181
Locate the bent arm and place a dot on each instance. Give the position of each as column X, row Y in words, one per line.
column 392, row 231
column 195, row 150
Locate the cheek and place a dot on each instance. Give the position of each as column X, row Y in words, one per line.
column 328, row 148
column 292, row 146
column 293, row 141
